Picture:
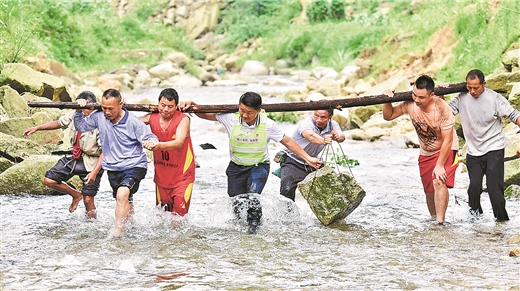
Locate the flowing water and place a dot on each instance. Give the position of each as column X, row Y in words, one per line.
column 387, row 243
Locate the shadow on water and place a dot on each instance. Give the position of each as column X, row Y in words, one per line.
column 388, row 242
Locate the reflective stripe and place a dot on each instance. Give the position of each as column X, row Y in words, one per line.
column 248, row 149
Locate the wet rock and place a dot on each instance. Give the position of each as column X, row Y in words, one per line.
column 512, row 191
column 515, row 239
column 330, row 195
column 27, row 177
column 514, row 252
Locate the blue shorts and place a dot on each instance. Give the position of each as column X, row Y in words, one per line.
column 67, row 168
column 128, row 178
column 246, row 179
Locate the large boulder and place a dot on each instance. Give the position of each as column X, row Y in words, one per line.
column 27, row 177
column 502, row 82
column 178, row 58
column 22, row 78
column 330, row 195
column 53, row 113
column 254, row 68
column 19, row 148
column 203, row 17
column 512, row 172
column 164, row 71
column 5, row 164
column 13, row 104
column 359, row 115
column 16, row 127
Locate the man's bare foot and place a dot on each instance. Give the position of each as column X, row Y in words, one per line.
column 117, row 231
column 92, row 214
column 75, row 202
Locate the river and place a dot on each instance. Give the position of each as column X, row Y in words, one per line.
column 387, row 243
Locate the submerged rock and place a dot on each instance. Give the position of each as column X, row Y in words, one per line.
column 330, row 195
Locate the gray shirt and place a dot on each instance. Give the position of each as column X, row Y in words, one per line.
column 310, row 148
column 481, row 120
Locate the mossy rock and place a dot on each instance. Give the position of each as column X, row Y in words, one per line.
column 27, row 177
column 331, row 196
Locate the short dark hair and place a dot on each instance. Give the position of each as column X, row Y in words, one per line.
column 425, row 82
column 330, row 110
column 473, row 74
column 87, row 95
column 112, row 93
column 251, row 99
column 169, row 94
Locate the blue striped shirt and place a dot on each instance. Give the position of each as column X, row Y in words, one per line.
column 122, row 143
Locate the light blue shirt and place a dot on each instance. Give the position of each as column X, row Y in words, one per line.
column 122, row 143
column 310, row 148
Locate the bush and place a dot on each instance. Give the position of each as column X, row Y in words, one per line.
column 322, row 10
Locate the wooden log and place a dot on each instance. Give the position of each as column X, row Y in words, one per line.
column 273, row 107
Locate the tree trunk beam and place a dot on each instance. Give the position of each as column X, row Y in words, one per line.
column 273, row 107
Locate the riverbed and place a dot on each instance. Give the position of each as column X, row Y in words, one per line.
column 388, row 243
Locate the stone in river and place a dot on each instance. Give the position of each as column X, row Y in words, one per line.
column 330, row 195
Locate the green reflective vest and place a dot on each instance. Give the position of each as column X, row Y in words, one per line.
column 248, row 149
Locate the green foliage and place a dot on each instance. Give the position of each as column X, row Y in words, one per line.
column 16, row 32
column 86, row 35
column 291, row 117
column 338, row 159
column 482, row 38
column 247, row 19
column 323, row 10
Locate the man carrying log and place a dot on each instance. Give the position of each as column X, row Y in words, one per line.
column 438, row 159
column 174, row 161
column 123, row 136
column 85, row 160
column 249, row 132
column 481, row 111
column 312, row 134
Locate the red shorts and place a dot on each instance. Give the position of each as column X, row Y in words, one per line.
column 177, row 199
column 427, row 164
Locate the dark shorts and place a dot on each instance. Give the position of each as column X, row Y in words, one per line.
column 67, row 168
column 427, row 164
column 246, row 179
column 129, row 178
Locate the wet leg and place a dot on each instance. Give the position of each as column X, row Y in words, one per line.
column 90, row 207
column 430, row 202
column 65, row 188
column 441, row 200
column 123, row 211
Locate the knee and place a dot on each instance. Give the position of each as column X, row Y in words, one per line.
column 49, row 182
column 437, row 183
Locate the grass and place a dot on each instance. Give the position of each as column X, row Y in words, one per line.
column 86, row 35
